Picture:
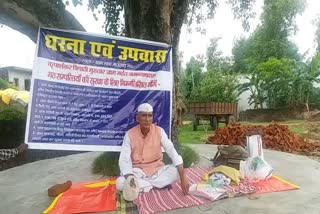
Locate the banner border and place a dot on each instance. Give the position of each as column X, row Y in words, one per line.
column 79, row 147
column 147, row 42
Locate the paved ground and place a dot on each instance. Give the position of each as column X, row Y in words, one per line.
column 23, row 189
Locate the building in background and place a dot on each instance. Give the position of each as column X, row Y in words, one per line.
column 19, row 77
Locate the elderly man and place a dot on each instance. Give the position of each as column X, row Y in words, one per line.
column 141, row 155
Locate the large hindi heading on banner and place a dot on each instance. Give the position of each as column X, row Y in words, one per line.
column 86, row 89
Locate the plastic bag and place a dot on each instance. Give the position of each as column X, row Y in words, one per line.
column 255, row 169
column 254, row 146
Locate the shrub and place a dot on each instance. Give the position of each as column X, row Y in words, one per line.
column 5, row 84
column 189, row 156
column 12, row 114
column 107, row 164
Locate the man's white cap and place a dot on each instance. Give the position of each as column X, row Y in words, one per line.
column 145, row 107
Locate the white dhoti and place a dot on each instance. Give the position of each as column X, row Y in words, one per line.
column 165, row 176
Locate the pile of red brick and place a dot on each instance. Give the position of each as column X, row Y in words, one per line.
column 274, row 136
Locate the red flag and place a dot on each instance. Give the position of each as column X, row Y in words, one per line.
column 97, row 196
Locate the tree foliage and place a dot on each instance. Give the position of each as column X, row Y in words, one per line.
column 216, row 87
column 112, row 11
column 271, row 38
column 5, row 84
column 196, row 11
column 268, row 58
column 317, row 35
column 213, row 84
column 191, row 77
column 307, row 75
column 214, row 58
column 283, row 82
column 276, row 74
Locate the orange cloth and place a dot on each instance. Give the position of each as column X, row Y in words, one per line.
column 97, row 196
column 274, row 184
column 146, row 152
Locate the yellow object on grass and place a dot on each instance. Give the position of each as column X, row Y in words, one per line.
column 10, row 94
column 7, row 95
column 23, row 95
column 230, row 172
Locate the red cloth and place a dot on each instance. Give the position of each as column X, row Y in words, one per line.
column 159, row 200
column 81, row 198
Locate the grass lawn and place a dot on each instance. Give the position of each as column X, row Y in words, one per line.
column 296, row 126
column 298, row 130
column 188, row 136
column 288, row 122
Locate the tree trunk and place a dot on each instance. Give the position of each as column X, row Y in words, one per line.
column 155, row 20
column 161, row 21
column 307, row 103
column 26, row 16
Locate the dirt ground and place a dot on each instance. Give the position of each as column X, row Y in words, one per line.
column 310, row 130
column 312, row 134
column 313, row 130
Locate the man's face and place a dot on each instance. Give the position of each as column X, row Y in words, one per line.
column 145, row 119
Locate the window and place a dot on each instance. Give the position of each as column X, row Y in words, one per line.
column 16, row 82
column 27, row 84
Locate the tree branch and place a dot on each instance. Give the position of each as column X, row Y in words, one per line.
column 26, row 16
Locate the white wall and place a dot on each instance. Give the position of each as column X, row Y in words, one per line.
column 244, row 97
column 21, row 75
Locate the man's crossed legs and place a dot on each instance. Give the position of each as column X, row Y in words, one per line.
column 165, row 176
